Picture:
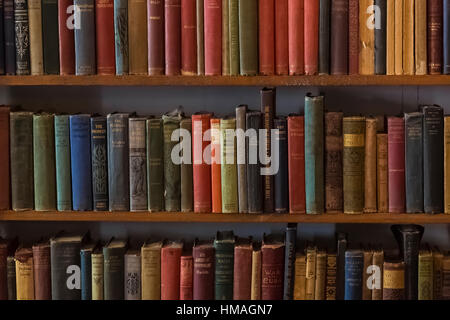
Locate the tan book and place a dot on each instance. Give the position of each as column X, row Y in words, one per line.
column 377, row 279
column 35, row 27
column 151, row 270
column 408, row 37
column 390, row 38
column 438, row 257
column 24, row 274
column 300, row 277
column 366, row 40
column 382, row 173
column 321, row 275
column 97, row 263
column 447, row 165
column 425, row 285
column 420, row 39
column 137, row 36
column 370, row 167
column 367, row 272
column 398, row 45
column 256, row 274
column 311, row 254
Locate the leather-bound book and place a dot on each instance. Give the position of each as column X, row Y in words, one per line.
column 5, row 250
column 367, row 40
column 151, row 270
column 446, row 38
column 398, row 36
column 382, row 173
column 254, row 178
column 311, row 263
column 156, row 35
column 50, row 36
column 368, row 259
column 200, row 37
column 225, row 38
column 281, row 38
column 266, row 41
column 10, row 44
column 233, row 16
column 256, row 272
column 132, row 275
column 314, row 154
column 330, row 289
column 2, row 42
column 137, row 36
column 296, row 164
column 242, row 274
column 105, row 38
column 446, row 165
column 354, row 264
column 41, row 270
column 370, row 166
column 80, row 147
column 186, row 276
column 201, row 123
column 300, row 277
column 340, row 276
column 339, row 37
column 66, row 39
column 377, row 262
column 114, row 266
column 138, row 164
column 396, row 164
column 204, row 266
column 188, row 38
column 99, row 156
column 324, row 36
column 187, row 184
column 11, row 278
column 414, row 162
column 272, row 267
column 380, row 38
column 408, row 238
column 420, row 36
column 22, row 37
column 62, row 163
column 281, row 182
column 5, row 190
column 248, row 37
column 296, row 36
column 353, row 164
column 356, row 34
column 36, row 50
column 434, row 36
column 321, row 275
column 172, row 20
column 170, row 270
column 241, row 118
column 390, row 38
column 438, row 258
column 289, row 261
column 118, row 166
column 408, row 37
column 445, row 280
column 333, row 162
column 311, row 29
column 85, row 58
column 97, row 269
column 230, row 202
column 86, row 270
column 394, row 280
column 213, row 37
column 433, row 161
column 121, row 36
column 224, row 265
column 24, row 273
column 216, row 167
column 155, row 165
column 425, row 286
column 44, row 162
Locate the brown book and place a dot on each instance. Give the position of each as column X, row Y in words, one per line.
column 330, row 291
column 438, row 257
column 390, row 37
column 370, row 167
column 420, row 40
column 151, row 271
column 137, row 36
column 408, row 37
column 186, row 276
column 382, row 173
column 377, row 282
column 333, row 162
column 367, row 40
column 155, row 30
column 256, row 272
column 242, row 275
column 42, row 274
column 300, row 277
column 272, row 268
column 368, row 259
column 339, row 37
column 7, row 248
column 434, row 11
column 170, row 270
column 4, row 158
column 321, row 275
column 394, row 280
column 310, row 286
column 24, row 273
column 445, row 280
column 172, row 20
column 354, row 34
column 398, row 45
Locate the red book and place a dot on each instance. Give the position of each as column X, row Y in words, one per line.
column 4, row 159
column 170, row 271
column 188, row 37
column 266, row 10
column 216, row 168
column 186, row 270
column 66, row 38
column 155, row 37
column 104, row 24
column 242, row 281
column 201, row 167
column 272, row 270
column 296, row 37
column 353, row 36
column 42, row 273
column 213, row 37
column 296, row 164
column 203, row 254
column 396, row 164
column 311, row 37
column 281, row 38
column 173, row 37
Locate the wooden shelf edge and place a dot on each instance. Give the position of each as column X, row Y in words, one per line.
column 377, row 218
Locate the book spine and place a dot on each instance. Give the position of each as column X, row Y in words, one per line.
column 254, row 178
column 321, row 276
column 25, row 276
column 187, row 183
column 155, row 29
column 22, row 35
column 310, row 277
column 233, row 16
column 425, row 276
column 390, row 38
column 340, row 276
column 446, row 165
column 248, row 37
column 138, row 164
column 170, row 273
column 296, row 36
column 203, row 288
column 4, row 272
column 272, row 272
column 64, row 257
column 356, row 34
column 86, row 274
column 256, row 275
column 224, row 254
column 230, row 202
column 380, row 38
column 51, row 36
column 366, row 41
column 408, row 37
column 5, row 189
column 104, row 24
column 330, row 288
column 216, row 167
column 314, row 154
column 188, row 38
column 155, row 165
column 172, row 20
column 63, row 167
column 2, row 39
column 66, row 38
column 80, row 146
column 242, row 274
column 11, row 278
column 44, row 162
column 382, row 173
column 132, row 281
column 121, row 36
column 186, row 277
column 41, row 270
column 281, row 38
column 172, row 171
column 200, row 37
column 366, row 289
column 241, row 162
column 354, row 263
column 446, row 37
column 151, row 273
column 10, row 44
column 118, row 167
column 333, row 162
column 377, row 262
column 213, row 37
column 339, row 37
column 268, row 111
column 393, row 281
column 36, row 51
column 300, row 277
column 85, row 38
column 114, row 272
column 137, row 35
column 281, row 179
column 414, row 162
column 296, row 164
column 225, row 38
column 445, row 280
column 434, row 18
column 266, row 37
column 420, row 40
column 396, row 164
column 324, row 36
column 398, row 37
column 97, row 276
column 289, row 263
column 438, row 259
column 370, row 167
column 99, row 155
column 311, row 29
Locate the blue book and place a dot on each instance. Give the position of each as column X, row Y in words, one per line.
column 354, row 265
column 80, row 149
column 85, row 39
column 446, row 36
column 121, row 35
column 86, row 271
column 10, row 42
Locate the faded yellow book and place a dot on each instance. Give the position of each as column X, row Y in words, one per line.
column 151, row 270
column 366, row 40
column 408, row 37
column 438, row 257
column 300, row 277
column 447, row 165
column 24, row 274
column 35, row 27
column 311, row 254
column 256, row 274
column 321, row 275
column 97, row 263
column 370, row 166
column 398, row 21
column 390, row 38
column 420, row 40
column 425, row 275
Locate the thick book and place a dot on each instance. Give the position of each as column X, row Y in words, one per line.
column 99, row 156
column 420, row 36
column 233, row 16
column 241, row 118
column 204, row 266
column 80, row 148
column 41, row 270
column 340, row 256
column 187, row 183
column 216, row 167
column 105, row 39
column 393, row 280
column 300, row 277
column 408, row 37
column 5, row 189
column 255, row 293
column 242, row 273
column 268, row 111
column 354, row 263
column 398, row 36
column 446, row 38
column 118, row 158
column 170, row 270
column 151, row 270
column 310, row 277
column 289, row 261
column 24, row 273
column 200, row 37
column 382, row 173
column 85, row 59
column 224, row 244
column 186, row 275
column 324, row 36
column 296, row 164
column 22, row 34
column 282, row 37
column 121, row 36
column 213, row 37
column 333, row 162
column 330, row 287
column 44, row 162
column 248, row 37
column 339, row 37
column 62, row 163
column 86, row 270
column 380, row 38
column 50, row 36
column 66, row 38
column 255, row 202
column 425, row 286
column 132, row 275
column 281, row 179
column 225, row 38
column 113, row 255
column 321, row 275
column 230, row 202
column 188, row 38
column 155, row 165
column 10, row 43
column 97, row 269
column 155, row 30
column 434, row 36
column 396, row 164
column 296, row 37
column 370, row 166
column 138, row 164
column 355, row 34
column 311, row 30
column 366, row 40
column 172, row 20
column 266, row 10
column 36, row 51
column 272, row 267
column 137, row 35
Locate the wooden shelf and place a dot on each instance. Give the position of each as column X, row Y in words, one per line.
column 326, row 80
column 381, row 218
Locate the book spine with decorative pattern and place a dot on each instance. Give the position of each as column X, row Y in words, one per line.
column 333, row 162
column 393, row 281
column 137, row 164
column 224, row 245
column 370, row 166
column 132, row 273
column 425, row 275
column 99, row 156
column 22, row 37
column 354, row 33
column 121, row 36
column 97, row 275
column 330, row 290
column 172, row 171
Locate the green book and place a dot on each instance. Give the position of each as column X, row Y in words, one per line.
column 229, row 167
column 155, row 165
column 233, row 27
column 44, row 162
column 62, row 157
column 224, row 266
column 225, row 38
column 426, row 275
column 187, row 184
column 248, row 37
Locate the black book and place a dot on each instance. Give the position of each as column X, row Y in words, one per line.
column 281, row 180
column 380, row 38
column 22, row 36
column 340, row 275
column 254, row 178
column 50, row 36
column 10, row 42
column 289, row 261
column 324, row 37
column 224, row 267
column 99, row 155
column 113, row 255
column 2, row 39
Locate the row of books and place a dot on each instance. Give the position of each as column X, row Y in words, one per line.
column 224, row 37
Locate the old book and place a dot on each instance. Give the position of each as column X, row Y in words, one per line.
column 268, row 111
column 425, row 286
column 310, row 280
column 118, row 158
column 11, row 278
column 341, row 239
column 62, row 163
column 398, row 36
column 186, row 276
column 212, row 36
column 114, row 269
column 420, row 36
column 85, row 58
column 7, row 249
column 382, row 173
column 86, row 270
column 156, row 35
column 216, row 167
column 80, row 147
column 314, row 154
column 187, row 184
column 99, row 156
column 170, row 270
column 380, row 37
column 296, row 163
column 272, row 267
column 188, row 38
column 282, row 37
column 393, row 280
column 266, row 13
column 353, row 164
column 66, row 39
column 434, row 36
column 311, row 30
column 289, row 261
column 2, row 41
column 248, row 37
column 41, row 270
column 408, row 37
column 354, row 264
column 300, row 277
column 377, row 273
column 5, row 189
column 233, row 22
column 242, row 273
column 137, row 35
column 330, row 288
column 390, row 38
column 321, row 275
column 155, row 165
column 396, row 164
column 224, row 244
column 255, row 195
column 172, row 21
column 370, row 166
column 367, row 274
column 438, row 257
column 241, row 118
column 204, row 266
column 339, row 37
column 97, row 269
column 256, row 272
column 151, row 270
column 22, row 43
column 10, row 45
column 333, row 162
column 414, row 162
column 446, row 165
column 50, row 36
column 121, row 36
column 24, row 273
column 281, row 182
column 324, row 36
column 445, row 280
column 132, row 275
column 138, row 164
column 355, row 35
column 446, row 37
column 44, row 162
column 367, row 39
column 296, row 37
column 225, row 38
column 105, row 38
column 200, row 10
column 36, row 50
column 229, row 168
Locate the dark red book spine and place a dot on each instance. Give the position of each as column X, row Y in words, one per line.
column 435, row 16
column 272, row 272
column 311, row 37
column 173, row 37
column 188, row 37
column 213, row 37
column 242, row 282
column 42, row 273
column 155, row 9
column 353, row 36
column 66, row 38
column 296, row 164
column 4, row 159
column 396, row 164
column 203, row 272
column 170, row 273
column 186, row 275
column 266, row 37
column 3, row 272
column 106, row 58
column 281, row 38
column 296, row 37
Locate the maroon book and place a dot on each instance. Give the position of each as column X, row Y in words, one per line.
column 213, row 37
column 104, row 24
column 242, row 281
column 396, row 164
column 4, row 159
column 203, row 254
column 434, row 11
column 42, row 274
column 281, row 38
column 66, row 39
column 266, row 10
column 272, row 268
column 353, row 36
column 188, row 37
column 296, row 164
column 173, row 37
column 186, row 277
column 155, row 37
